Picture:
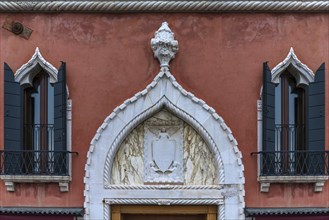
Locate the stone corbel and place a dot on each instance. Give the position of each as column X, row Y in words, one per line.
column 318, row 181
column 10, row 180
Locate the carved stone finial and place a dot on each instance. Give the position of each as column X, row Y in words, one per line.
column 164, row 45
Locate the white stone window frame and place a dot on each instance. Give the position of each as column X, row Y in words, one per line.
column 305, row 76
column 25, row 75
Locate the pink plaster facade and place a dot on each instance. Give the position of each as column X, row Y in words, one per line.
column 109, row 59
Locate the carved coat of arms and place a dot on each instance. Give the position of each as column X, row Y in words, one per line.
column 163, row 147
column 163, row 153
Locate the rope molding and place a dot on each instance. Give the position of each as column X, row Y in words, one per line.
column 163, row 187
column 164, row 6
column 133, row 201
column 141, row 117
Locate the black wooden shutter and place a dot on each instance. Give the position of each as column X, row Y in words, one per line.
column 268, row 110
column 13, row 123
column 315, row 118
column 60, row 110
column 60, row 157
column 267, row 166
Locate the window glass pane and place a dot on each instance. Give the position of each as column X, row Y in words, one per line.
column 292, row 104
column 278, row 104
column 36, row 105
column 278, row 91
column 35, row 102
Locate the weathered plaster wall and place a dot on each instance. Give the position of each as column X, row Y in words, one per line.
column 109, row 59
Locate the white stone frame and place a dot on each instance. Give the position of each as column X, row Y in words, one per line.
column 164, row 92
column 305, row 76
column 24, row 75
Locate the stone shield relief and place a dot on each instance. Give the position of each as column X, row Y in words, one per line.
column 163, row 149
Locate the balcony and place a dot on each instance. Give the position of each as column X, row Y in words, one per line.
column 35, row 166
column 293, row 163
column 293, row 167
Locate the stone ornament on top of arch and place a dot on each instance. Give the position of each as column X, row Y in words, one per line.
column 26, row 73
column 164, row 92
column 300, row 71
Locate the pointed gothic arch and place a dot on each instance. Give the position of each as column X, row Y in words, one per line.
column 300, row 71
column 164, row 92
column 26, row 73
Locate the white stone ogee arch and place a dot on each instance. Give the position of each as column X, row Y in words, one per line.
column 26, row 73
column 164, row 102
column 164, row 92
column 300, row 71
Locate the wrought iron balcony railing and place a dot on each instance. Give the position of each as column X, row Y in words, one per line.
column 293, row 163
column 29, row 162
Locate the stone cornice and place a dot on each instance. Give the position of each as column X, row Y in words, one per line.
column 163, row 6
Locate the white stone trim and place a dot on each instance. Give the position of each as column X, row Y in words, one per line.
column 10, row 180
column 69, row 130
column 259, row 131
column 163, row 187
column 26, row 73
column 134, row 201
column 318, row 181
column 314, row 6
column 162, row 103
column 301, row 72
column 163, row 92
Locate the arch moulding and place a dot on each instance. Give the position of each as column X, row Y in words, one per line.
column 164, row 92
column 26, row 73
column 300, row 71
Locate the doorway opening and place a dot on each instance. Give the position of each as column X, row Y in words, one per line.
column 130, row 212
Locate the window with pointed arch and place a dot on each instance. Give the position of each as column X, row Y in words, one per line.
column 39, row 122
column 293, row 129
column 289, row 120
column 35, row 123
